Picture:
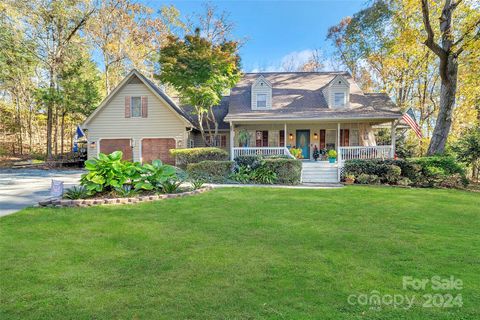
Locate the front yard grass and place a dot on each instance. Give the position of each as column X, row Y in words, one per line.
column 242, row 253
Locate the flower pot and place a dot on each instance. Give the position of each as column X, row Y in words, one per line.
column 349, row 181
column 331, row 160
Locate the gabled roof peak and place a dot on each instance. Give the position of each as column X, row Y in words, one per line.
column 260, row 79
column 340, row 78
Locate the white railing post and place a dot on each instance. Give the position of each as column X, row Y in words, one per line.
column 261, row 151
column 339, row 164
column 367, row 152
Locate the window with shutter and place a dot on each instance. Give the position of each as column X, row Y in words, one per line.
column 322, row 144
column 221, row 140
column 127, row 107
column 344, row 137
column 262, row 138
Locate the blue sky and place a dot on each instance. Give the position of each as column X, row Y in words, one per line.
column 276, row 29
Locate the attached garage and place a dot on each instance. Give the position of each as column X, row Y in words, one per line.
column 108, row 146
column 158, row 148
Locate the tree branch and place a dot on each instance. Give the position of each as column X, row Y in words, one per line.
column 455, row 4
column 470, row 29
column 78, row 26
column 430, row 42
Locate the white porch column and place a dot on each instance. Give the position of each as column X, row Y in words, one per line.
column 393, row 137
column 285, row 135
column 338, row 137
column 232, row 140
column 339, row 155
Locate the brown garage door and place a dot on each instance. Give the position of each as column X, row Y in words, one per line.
column 158, row 148
column 108, row 146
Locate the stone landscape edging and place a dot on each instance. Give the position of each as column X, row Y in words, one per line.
column 59, row 203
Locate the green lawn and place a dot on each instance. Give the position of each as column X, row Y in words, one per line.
column 242, row 253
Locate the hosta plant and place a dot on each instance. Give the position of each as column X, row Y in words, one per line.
column 108, row 172
column 154, row 175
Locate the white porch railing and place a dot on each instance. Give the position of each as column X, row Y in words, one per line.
column 373, row 152
column 261, row 151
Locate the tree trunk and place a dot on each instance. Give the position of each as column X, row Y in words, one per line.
column 447, row 102
column 50, row 116
column 55, row 134
column 62, row 133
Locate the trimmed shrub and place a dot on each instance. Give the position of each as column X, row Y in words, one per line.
column 252, row 162
column 367, row 179
column 447, row 164
column 288, row 171
column 278, row 156
column 210, row 170
column 393, row 174
column 404, row 182
column 184, row 157
column 420, row 172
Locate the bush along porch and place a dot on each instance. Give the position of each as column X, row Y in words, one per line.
column 438, row 171
column 212, row 165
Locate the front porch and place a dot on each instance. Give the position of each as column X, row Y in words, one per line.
column 350, row 140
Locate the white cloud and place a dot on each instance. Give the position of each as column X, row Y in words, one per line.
column 292, row 61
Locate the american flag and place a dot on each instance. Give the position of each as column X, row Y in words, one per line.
column 409, row 117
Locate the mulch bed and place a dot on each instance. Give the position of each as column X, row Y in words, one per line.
column 59, row 203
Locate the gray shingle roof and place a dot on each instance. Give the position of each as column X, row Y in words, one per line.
column 298, row 95
column 170, row 101
column 220, row 111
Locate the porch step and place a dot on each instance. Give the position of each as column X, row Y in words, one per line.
column 319, row 172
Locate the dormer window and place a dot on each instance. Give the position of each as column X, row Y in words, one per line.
column 337, row 92
column 261, row 94
column 261, row 100
column 339, row 99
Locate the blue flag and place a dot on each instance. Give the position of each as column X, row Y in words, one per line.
column 79, row 133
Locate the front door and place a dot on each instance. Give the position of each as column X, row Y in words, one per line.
column 303, row 142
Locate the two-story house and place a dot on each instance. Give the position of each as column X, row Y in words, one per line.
column 265, row 113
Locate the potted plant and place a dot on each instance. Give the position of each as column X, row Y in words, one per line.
column 316, row 153
column 243, row 138
column 349, row 178
column 297, row 153
column 332, row 156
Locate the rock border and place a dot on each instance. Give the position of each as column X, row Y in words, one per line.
column 63, row 203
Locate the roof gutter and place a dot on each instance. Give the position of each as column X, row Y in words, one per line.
column 393, row 117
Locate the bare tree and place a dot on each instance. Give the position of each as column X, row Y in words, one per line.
column 214, row 25
column 448, row 51
column 314, row 63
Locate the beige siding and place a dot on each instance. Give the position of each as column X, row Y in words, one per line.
column 110, row 121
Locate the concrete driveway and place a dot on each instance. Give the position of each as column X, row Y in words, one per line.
column 20, row 188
